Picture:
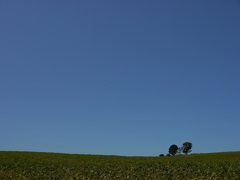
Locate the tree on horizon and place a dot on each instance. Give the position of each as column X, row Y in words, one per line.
column 173, row 149
column 187, row 146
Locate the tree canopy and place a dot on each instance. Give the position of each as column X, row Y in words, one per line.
column 173, row 149
column 187, row 146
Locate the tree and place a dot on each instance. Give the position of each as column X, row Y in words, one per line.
column 173, row 149
column 187, row 146
column 161, row 155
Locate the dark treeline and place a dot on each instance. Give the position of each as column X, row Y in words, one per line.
column 174, row 149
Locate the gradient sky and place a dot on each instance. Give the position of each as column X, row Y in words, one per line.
column 119, row 77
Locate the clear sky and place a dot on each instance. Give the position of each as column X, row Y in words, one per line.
column 119, row 77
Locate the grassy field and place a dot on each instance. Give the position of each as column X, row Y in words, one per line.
column 32, row 165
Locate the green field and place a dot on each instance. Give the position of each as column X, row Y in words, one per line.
column 33, row 165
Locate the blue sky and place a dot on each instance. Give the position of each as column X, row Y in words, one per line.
column 119, row 77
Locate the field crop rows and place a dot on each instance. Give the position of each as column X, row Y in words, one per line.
column 28, row 165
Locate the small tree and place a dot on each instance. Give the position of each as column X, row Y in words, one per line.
column 161, row 155
column 187, row 146
column 173, row 149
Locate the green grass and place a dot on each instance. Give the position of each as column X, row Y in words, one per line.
column 32, row 165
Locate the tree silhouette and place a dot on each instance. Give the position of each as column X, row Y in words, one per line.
column 173, row 149
column 187, row 146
